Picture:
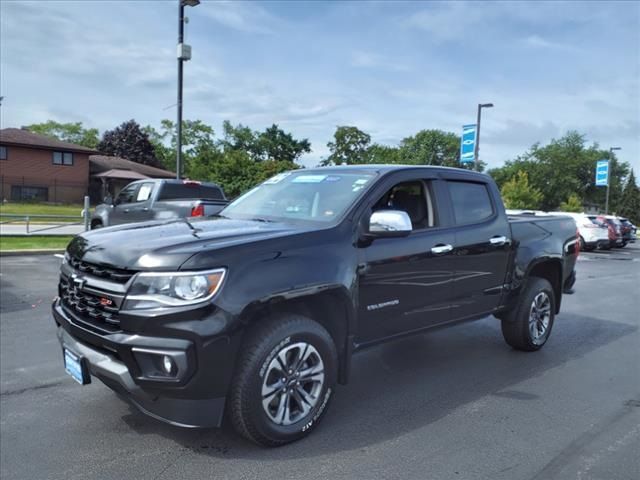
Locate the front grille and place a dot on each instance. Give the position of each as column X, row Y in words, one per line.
column 116, row 274
column 91, row 307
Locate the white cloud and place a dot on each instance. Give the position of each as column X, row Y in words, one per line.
column 360, row 59
column 537, row 41
column 242, row 16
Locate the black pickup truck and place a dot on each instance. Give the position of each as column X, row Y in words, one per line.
column 258, row 310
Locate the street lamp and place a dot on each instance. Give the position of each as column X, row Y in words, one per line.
column 606, row 205
column 184, row 54
column 480, row 107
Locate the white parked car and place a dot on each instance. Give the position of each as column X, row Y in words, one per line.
column 593, row 234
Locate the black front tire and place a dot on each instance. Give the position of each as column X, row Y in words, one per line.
column 95, row 224
column 517, row 325
column 263, row 344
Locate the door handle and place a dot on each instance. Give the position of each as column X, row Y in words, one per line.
column 438, row 249
column 498, row 241
column 126, row 210
column 145, row 209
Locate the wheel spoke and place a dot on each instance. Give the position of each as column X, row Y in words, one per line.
column 312, row 374
column 304, row 405
column 282, row 408
column 304, row 395
column 282, row 360
column 302, row 357
column 270, row 390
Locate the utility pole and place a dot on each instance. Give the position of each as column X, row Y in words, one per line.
column 477, row 149
column 606, row 205
column 184, row 54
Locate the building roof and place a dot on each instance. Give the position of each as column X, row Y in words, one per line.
column 24, row 138
column 102, row 163
column 121, row 174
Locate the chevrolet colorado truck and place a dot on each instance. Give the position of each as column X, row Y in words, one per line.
column 159, row 199
column 257, row 312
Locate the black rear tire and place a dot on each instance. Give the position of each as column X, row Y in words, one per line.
column 280, row 334
column 518, row 328
column 95, row 224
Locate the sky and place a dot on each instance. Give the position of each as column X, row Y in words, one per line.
column 389, row 68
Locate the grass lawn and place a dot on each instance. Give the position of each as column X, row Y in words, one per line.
column 33, row 242
column 42, row 209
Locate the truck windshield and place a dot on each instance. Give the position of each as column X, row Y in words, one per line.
column 300, row 196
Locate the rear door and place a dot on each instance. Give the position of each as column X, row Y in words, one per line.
column 404, row 284
column 482, row 247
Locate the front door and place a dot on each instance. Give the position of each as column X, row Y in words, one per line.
column 405, row 284
column 122, row 206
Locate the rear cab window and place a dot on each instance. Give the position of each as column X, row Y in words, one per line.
column 470, row 201
column 190, row 190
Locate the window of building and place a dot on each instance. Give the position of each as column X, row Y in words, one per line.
column 471, row 202
column 62, row 158
column 3, row 153
column 23, row 192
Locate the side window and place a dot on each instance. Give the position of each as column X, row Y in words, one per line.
column 411, row 197
column 471, row 201
column 128, row 194
column 3, row 153
column 144, row 192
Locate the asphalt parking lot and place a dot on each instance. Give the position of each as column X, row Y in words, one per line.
column 451, row 404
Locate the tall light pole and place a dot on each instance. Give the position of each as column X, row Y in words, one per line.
column 184, row 54
column 480, row 107
column 606, row 205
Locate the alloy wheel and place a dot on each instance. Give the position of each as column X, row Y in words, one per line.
column 293, row 383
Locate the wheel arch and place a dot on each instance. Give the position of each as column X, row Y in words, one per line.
column 331, row 307
column 550, row 270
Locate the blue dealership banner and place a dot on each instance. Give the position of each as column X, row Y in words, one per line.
column 602, row 173
column 468, row 143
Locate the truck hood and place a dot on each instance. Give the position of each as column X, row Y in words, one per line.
column 167, row 245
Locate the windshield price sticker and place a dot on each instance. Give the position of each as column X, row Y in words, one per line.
column 308, row 179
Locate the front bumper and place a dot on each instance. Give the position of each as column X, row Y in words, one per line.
column 172, row 404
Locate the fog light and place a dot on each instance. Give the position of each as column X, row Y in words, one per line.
column 167, row 363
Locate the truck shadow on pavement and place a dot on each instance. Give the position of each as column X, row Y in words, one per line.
column 405, row 385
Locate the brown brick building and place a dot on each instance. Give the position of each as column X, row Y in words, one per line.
column 36, row 167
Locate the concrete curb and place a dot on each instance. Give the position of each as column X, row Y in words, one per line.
column 44, row 251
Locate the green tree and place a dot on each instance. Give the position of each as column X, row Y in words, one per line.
column 383, row 154
column 431, row 147
column 517, row 193
column 573, row 204
column 563, row 167
column 349, row 146
column 67, row 132
column 278, row 145
column 240, row 138
column 271, row 144
column 630, row 203
column 198, row 139
column 131, row 142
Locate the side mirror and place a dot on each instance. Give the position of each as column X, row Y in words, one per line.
column 389, row 223
column 108, row 200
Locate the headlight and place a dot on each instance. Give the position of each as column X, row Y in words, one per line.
column 174, row 289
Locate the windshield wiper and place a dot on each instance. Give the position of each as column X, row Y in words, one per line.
column 258, row 219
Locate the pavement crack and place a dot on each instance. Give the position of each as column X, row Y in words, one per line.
column 20, row 391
